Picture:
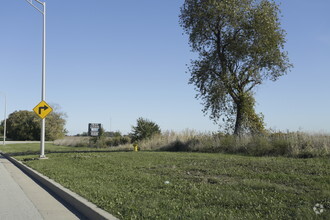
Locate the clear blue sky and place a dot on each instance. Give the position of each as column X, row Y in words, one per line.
column 111, row 62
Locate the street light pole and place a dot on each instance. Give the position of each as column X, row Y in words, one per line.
column 5, row 120
column 43, row 87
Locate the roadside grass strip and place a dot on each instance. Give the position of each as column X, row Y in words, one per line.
column 169, row 185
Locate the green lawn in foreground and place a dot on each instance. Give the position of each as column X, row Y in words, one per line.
column 132, row 185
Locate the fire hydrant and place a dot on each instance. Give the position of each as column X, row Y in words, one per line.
column 136, row 147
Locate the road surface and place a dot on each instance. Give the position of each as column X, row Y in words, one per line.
column 22, row 199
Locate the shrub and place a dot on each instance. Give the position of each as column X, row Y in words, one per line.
column 144, row 129
column 259, row 146
column 97, row 142
column 118, row 140
column 280, row 146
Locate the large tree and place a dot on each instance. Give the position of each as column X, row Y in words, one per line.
column 240, row 44
column 25, row 125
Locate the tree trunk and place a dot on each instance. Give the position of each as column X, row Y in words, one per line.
column 239, row 119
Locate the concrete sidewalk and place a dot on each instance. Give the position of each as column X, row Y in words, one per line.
column 22, row 199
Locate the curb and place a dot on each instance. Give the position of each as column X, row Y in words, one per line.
column 86, row 208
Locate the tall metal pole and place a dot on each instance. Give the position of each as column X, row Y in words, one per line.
column 43, row 89
column 43, row 86
column 5, row 122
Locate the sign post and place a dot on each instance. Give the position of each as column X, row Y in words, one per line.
column 43, row 78
column 42, row 110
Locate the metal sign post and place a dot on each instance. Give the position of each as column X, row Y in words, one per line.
column 43, row 86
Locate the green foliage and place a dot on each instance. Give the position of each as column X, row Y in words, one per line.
column 240, row 44
column 115, row 139
column 23, row 125
column 99, row 141
column 1, row 128
column 144, row 129
column 55, row 126
column 26, row 125
column 104, row 141
column 118, row 140
column 113, row 134
column 252, row 122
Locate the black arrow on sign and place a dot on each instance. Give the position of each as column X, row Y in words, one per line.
column 44, row 108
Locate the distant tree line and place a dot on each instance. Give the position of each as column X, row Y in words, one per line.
column 26, row 125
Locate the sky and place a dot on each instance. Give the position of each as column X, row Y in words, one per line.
column 112, row 62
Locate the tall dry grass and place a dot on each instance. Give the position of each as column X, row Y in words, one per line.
column 92, row 142
column 73, row 141
column 291, row 144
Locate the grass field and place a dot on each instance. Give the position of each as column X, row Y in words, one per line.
column 34, row 149
column 180, row 185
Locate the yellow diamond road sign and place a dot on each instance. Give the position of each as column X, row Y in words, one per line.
column 42, row 109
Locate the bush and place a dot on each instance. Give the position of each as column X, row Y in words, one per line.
column 144, row 129
column 118, row 140
column 23, row 125
column 259, row 146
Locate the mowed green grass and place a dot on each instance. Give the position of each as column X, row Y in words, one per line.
column 168, row 185
column 34, row 149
